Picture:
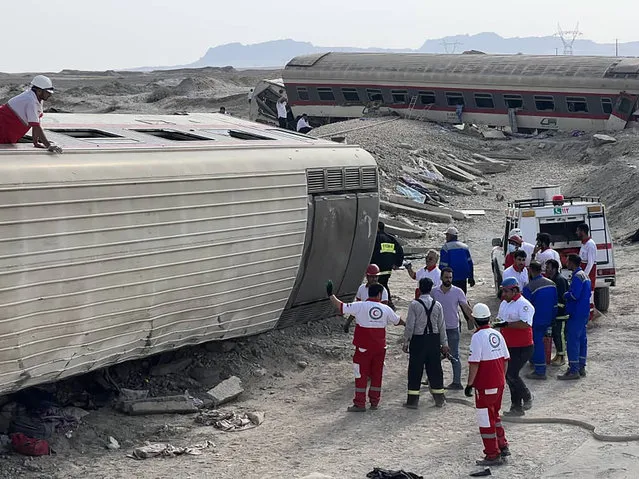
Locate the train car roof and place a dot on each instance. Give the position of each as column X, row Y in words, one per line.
column 79, row 131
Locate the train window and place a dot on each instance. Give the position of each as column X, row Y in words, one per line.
column 514, row 101
column 484, row 100
column 544, row 103
column 606, row 105
column 577, row 104
column 86, row 133
column 454, row 98
column 374, row 95
column 326, row 94
column 624, row 105
column 399, row 96
column 350, row 94
column 302, row 93
column 427, row 97
column 174, row 135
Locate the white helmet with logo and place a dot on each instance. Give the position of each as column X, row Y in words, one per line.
column 42, row 82
column 481, row 312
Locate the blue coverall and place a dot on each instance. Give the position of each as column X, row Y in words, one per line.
column 542, row 294
column 577, row 300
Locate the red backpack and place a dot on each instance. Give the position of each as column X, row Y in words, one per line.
column 29, row 446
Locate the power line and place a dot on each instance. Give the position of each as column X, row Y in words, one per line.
column 568, row 37
column 450, row 47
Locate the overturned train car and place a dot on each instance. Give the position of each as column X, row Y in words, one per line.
column 155, row 232
column 523, row 92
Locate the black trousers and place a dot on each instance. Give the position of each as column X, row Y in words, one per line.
column 424, row 353
column 282, row 122
column 383, row 280
column 305, row 130
column 518, row 390
column 558, row 333
column 463, row 285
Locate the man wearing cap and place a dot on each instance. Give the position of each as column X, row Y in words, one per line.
column 388, row 255
column 456, row 255
column 516, row 316
column 372, row 273
column 518, row 270
column 23, row 112
column 430, row 270
column 542, row 294
column 487, row 363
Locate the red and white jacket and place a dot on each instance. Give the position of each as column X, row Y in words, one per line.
column 519, row 309
column 488, row 349
column 371, row 319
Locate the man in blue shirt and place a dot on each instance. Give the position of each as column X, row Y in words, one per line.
column 577, row 300
column 456, row 255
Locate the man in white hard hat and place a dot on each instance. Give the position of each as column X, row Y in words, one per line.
column 23, row 112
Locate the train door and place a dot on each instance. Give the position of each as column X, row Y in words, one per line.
column 622, row 112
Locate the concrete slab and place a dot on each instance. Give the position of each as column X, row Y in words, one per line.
column 226, row 391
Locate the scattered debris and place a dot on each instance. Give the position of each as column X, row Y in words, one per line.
column 411, row 211
column 379, row 473
column 155, row 449
column 260, row 372
column 494, row 135
column 600, row 139
column 112, row 443
column 171, row 368
column 405, row 232
column 473, row 212
column 133, row 394
column 230, row 420
column 226, row 391
column 179, row 404
column 302, row 364
column 455, row 214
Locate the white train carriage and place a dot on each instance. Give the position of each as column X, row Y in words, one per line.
column 524, row 92
column 154, row 232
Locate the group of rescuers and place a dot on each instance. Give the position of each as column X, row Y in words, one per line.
column 536, row 300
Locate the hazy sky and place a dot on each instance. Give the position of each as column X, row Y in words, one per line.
column 86, row 34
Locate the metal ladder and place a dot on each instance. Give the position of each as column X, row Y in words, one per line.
column 411, row 107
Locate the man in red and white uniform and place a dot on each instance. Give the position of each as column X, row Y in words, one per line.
column 516, row 316
column 588, row 255
column 371, row 318
column 430, row 271
column 487, row 364
column 518, row 270
column 372, row 275
column 23, row 112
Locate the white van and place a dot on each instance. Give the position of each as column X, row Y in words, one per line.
column 559, row 217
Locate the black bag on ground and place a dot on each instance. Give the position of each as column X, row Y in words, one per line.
column 379, row 473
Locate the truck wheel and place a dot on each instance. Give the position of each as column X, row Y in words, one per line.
column 602, row 299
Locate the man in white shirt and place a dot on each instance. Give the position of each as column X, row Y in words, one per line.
column 24, row 111
column 430, row 270
column 303, row 126
column 282, row 113
column 543, row 252
column 527, row 247
column 588, row 255
column 518, row 270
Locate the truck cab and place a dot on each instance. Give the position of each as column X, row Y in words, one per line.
column 549, row 212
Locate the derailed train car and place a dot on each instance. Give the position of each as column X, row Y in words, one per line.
column 155, row 232
column 523, row 92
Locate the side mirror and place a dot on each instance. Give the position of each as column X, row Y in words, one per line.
column 497, row 242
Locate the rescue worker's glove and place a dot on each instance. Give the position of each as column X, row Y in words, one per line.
column 503, row 324
column 329, row 288
column 54, row 149
column 468, row 391
column 471, row 282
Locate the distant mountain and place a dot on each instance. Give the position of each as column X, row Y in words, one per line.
column 277, row 53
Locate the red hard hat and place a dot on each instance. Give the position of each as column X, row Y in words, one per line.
column 372, row 270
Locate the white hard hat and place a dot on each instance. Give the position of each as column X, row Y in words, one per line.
column 515, row 232
column 42, row 82
column 481, row 311
column 452, row 231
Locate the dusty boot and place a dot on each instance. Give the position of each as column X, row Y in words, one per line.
column 440, row 400
column 558, row 360
column 488, row 461
column 569, row 375
column 412, row 401
column 354, row 408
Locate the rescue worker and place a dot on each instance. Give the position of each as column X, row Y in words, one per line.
column 425, row 341
column 371, row 318
column 303, row 126
column 487, row 363
column 518, row 270
column 543, row 252
column 456, row 255
column 577, row 300
column 516, row 316
column 542, row 294
column 452, row 298
column 430, row 270
column 559, row 325
column 516, row 242
column 588, row 255
column 372, row 273
column 24, row 111
column 388, row 255
column 282, row 111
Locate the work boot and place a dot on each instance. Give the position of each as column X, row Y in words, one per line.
column 505, row 451
column 440, row 400
column 536, row 375
column 558, row 360
column 354, row 408
column 487, row 461
column 374, row 407
column 582, row 372
column 412, row 401
column 569, row 375
column 515, row 411
column 528, row 403
column 455, row 387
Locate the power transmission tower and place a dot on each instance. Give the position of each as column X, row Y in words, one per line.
column 450, row 47
column 568, row 37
